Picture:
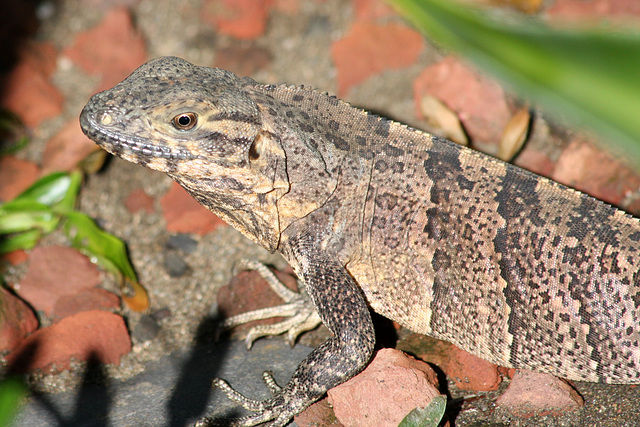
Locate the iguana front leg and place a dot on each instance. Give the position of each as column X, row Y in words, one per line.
column 343, row 309
column 298, row 308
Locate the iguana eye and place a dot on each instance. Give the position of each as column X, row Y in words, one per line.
column 185, row 121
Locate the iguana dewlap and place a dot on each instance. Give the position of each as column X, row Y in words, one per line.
column 446, row 241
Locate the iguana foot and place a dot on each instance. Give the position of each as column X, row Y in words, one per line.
column 279, row 410
column 302, row 315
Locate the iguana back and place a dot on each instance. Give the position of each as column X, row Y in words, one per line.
column 453, row 243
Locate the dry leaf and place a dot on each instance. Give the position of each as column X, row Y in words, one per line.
column 94, row 161
column 443, row 119
column 514, row 134
column 139, row 302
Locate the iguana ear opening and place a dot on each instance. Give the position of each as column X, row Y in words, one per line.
column 256, row 148
column 268, row 158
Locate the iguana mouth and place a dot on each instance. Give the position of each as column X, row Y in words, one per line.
column 102, row 127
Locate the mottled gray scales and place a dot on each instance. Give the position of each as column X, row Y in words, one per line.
column 372, row 214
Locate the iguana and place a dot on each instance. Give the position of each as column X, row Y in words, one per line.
column 372, row 214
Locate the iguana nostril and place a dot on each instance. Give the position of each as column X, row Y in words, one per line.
column 106, row 119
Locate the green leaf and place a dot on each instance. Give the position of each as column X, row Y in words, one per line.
column 68, row 201
column 13, row 392
column 108, row 251
column 22, row 215
column 589, row 75
column 12, row 133
column 15, row 147
column 25, row 240
column 430, row 416
column 48, row 190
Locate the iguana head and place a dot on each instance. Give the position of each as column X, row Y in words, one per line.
column 199, row 126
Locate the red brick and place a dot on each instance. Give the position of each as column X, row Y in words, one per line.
column 85, row 300
column 56, row 271
column 368, row 49
column 480, row 102
column 385, row 392
column 185, row 215
column 248, row 291
column 96, row 334
column 371, row 10
column 243, row 19
column 66, row 149
column 112, row 49
column 626, row 11
column 28, row 91
column 469, row 372
column 138, row 200
column 587, row 168
column 532, row 393
column 17, row 321
column 16, row 176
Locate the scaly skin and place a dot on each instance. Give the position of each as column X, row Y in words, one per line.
column 446, row 241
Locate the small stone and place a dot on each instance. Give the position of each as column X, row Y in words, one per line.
column 507, row 372
column 182, row 242
column 161, row 314
column 174, row 264
column 15, row 257
column 90, row 334
column 317, row 25
column 533, row 393
column 289, row 7
column 371, row 10
column 625, row 12
column 469, row 372
column 385, row 392
column 535, row 161
column 146, row 329
column 17, row 321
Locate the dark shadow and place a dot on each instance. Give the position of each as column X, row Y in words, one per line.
column 93, row 399
column 386, row 333
column 454, row 405
column 193, row 389
column 18, row 21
